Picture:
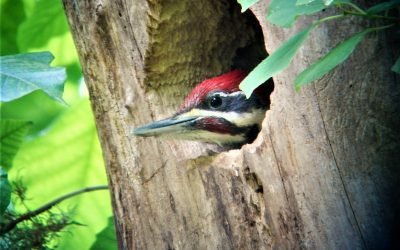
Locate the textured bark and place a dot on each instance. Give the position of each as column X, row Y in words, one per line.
column 323, row 172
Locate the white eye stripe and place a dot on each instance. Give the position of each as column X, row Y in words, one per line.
column 223, row 94
column 239, row 119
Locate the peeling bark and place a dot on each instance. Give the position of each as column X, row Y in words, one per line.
column 323, row 172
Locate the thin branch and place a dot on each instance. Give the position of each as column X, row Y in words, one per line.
column 8, row 227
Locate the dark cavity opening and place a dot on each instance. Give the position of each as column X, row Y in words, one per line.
column 247, row 58
column 191, row 41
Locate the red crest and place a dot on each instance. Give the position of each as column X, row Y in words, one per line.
column 228, row 83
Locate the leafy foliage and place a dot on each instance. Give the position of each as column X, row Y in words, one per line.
column 24, row 73
column 5, row 192
column 47, row 18
column 275, row 63
column 41, row 232
column 70, row 155
column 12, row 133
column 36, row 107
column 396, row 66
column 330, row 60
column 246, row 4
column 284, row 14
column 383, row 7
column 31, row 26
column 10, row 18
column 105, row 240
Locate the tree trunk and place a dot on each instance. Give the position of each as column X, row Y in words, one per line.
column 323, row 173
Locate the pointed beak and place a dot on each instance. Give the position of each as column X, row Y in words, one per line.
column 168, row 126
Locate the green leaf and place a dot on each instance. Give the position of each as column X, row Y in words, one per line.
column 68, row 157
column 284, row 12
column 5, row 192
column 275, row 63
column 47, row 19
column 302, row 2
column 48, row 15
column 10, row 18
column 396, row 66
column 246, row 4
column 24, row 73
column 12, row 134
column 36, row 107
column 330, row 60
column 105, row 239
column 328, row 2
column 383, row 6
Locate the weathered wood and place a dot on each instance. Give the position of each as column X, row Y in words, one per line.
column 322, row 174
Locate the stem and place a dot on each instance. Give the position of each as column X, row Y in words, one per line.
column 360, row 11
column 346, row 12
column 8, row 227
column 329, row 18
column 382, row 27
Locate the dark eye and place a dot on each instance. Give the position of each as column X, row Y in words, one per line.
column 215, row 101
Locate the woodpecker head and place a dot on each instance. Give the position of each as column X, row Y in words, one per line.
column 215, row 111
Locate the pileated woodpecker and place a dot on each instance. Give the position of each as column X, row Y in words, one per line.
column 216, row 111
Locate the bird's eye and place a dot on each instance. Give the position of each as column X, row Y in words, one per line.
column 215, row 101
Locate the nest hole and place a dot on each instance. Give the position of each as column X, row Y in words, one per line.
column 191, row 41
column 248, row 57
